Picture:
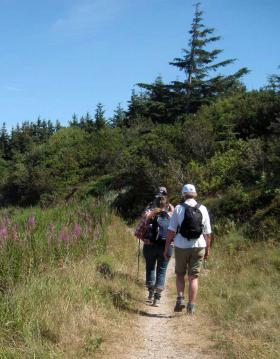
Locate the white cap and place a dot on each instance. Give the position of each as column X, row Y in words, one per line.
column 189, row 188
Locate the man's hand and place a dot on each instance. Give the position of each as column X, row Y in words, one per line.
column 207, row 252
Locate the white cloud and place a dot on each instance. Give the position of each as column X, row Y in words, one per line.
column 85, row 16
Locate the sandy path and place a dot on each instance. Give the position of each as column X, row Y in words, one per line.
column 161, row 333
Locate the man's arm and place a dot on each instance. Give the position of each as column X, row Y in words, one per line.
column 207, row 238
column 170, row 237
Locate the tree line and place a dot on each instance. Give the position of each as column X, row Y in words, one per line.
column 207, row 129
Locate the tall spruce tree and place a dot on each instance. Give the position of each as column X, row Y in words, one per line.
column 118, row 119
column 198, row 64
column 100, row 120
column 4, row 142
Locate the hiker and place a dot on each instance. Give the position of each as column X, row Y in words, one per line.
column 152, row 230
column 161, row 191
column 190, row 229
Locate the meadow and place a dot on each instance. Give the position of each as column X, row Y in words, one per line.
column 68, row 276
column 241, row 296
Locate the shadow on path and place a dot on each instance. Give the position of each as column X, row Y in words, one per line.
column 154, row 315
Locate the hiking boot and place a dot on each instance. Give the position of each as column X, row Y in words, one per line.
column 180, row 304
column 150, row 296
column 156, row 301
column 190, row 309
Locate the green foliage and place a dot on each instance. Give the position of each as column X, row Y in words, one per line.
column 61, row 307
column 198, row 63
column 35, row 237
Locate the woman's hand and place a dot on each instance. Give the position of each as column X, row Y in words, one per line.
column 165, row 254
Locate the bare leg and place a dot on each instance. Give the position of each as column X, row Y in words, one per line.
column 180, row 284
column 193, row 288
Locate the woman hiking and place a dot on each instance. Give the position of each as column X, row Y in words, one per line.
column 152, row 230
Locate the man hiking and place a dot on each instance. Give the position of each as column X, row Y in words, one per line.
column 152, row 230
column 190, row 229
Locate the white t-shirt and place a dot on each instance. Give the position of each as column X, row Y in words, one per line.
column 177, row 219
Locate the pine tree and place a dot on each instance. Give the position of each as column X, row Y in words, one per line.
column 89, row 124
column 137, row 108
column 158, row 101
column 118, row 119
column 198, row 64
column 100, row 121
column 74, row 122
column 4, row 142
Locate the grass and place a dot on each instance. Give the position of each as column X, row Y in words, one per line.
column 242, row 295
column 75, row 298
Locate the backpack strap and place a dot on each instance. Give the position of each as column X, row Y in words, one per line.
column 197, row 205
column 185, row 205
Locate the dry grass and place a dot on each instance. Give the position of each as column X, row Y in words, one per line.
column 69, row 312
column 242, row 295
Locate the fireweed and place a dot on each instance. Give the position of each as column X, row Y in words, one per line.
column 30, row 239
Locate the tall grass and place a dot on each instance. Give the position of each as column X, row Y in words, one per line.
column 68, row 279
column 242, row 294
column 34, row 238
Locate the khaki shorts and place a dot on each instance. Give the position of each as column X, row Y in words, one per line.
column 188, row 260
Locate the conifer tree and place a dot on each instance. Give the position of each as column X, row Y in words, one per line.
column 89, row 125
column 118, row 119
column 158, row 100
column 137, row 108
column 4, row 142
column 274, row 82
column 100, row 121
column 198, row 63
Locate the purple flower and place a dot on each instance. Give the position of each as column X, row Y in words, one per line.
column 77, row 230
column 31, row 221
column 4, row 232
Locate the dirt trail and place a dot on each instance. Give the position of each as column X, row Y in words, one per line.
column 161, row 333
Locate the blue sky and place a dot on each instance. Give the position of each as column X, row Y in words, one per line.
column 59, row 57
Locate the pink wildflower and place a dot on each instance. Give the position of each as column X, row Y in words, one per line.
column 77, row 230
column 4, row 232
column 31, row 221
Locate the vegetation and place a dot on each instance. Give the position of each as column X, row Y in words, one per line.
column 207, row 129
column 241, row 295
column 54, row 301
column 57, row 243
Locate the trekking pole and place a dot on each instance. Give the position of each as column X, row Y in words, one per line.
column 138, row 264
